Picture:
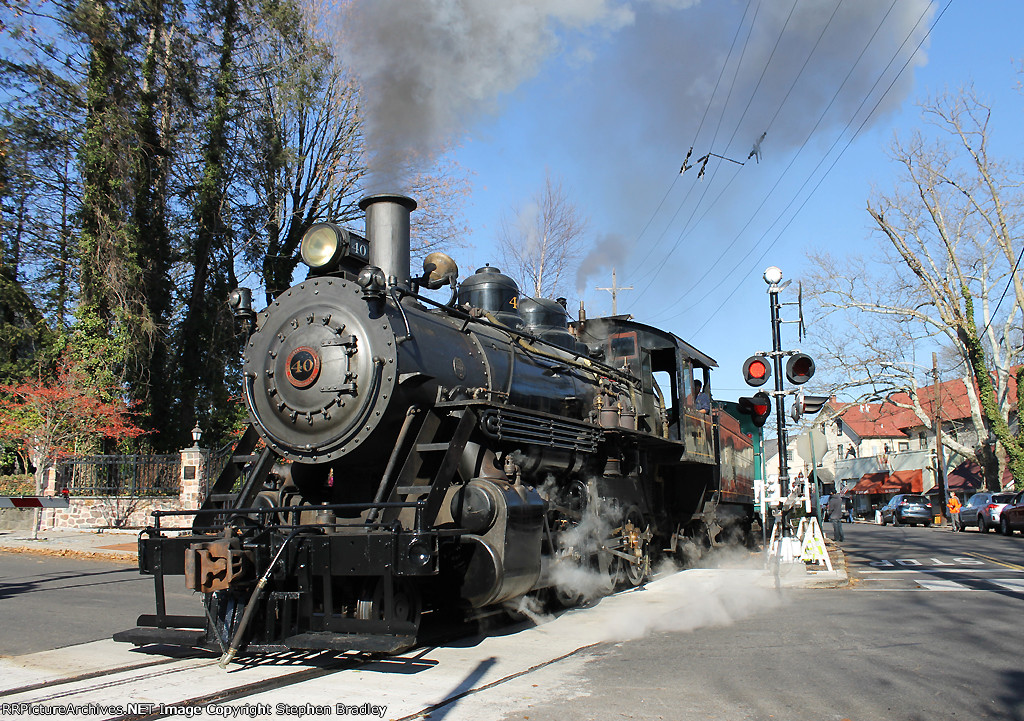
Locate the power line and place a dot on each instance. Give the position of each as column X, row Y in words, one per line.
column 764, row 71
column 1005, row 290
column 687, row 229
column 700, row 126
column 760, row 258
column 692, row 287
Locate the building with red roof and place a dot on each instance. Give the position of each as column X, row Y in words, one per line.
column 875, row 450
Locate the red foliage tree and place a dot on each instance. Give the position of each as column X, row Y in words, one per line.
column 52, row 417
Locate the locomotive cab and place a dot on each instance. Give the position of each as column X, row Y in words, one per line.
column 666, row 366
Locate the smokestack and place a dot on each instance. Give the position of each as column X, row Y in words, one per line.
column 387, row 229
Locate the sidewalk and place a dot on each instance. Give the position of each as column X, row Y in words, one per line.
column 100, row 544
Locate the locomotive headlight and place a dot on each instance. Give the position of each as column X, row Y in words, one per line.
column 322, row 246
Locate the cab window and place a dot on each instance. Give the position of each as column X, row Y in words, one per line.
column 622, row 348
column 687, row 376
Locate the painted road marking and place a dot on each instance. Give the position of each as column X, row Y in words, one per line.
column 895, row 571
column 946, row 584
column 938, row 584
column 1010, row 584
column 957, row 561
column 1014, row 566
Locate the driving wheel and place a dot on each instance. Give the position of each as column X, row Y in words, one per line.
column 407, row 606
column 633, row 538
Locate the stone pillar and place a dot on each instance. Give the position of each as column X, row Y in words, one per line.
column 51, row 484
column 193, row 478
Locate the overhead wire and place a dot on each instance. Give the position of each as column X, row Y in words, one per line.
column 714, row 138
column 1009, row 282
column 700, row 127
column 764, row 71
column 687, row 228
column 824, row 175
column 693, row 286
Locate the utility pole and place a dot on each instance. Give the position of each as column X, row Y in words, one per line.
column 780, row 407
column 940, row 464
column 614, row 290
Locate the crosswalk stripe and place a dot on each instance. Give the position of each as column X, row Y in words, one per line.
column 1010, row 584
column 939, row 584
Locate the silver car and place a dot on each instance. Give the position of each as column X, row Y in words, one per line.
column 982, row 510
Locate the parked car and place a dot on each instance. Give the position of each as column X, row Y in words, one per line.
column 982, row 510
column 907, row 508
column 1011, row 518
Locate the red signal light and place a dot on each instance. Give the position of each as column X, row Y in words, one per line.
column 756, row 371
column 799, row 368
column 758, row 407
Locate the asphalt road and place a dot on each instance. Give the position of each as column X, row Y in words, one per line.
column 927, row 641
column 50, row 602
column 928, row 629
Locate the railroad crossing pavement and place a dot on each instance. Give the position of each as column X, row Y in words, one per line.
column 484, row 677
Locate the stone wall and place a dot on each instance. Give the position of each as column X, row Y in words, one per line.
column 129, row 511
column 113, row 512
column 15, row 519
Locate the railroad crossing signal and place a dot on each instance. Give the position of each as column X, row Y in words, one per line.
column 805, row 404
column 756, row 371
column 758, row 407
column 799, row 368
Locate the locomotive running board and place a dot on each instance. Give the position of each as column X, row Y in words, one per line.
column 326, row 641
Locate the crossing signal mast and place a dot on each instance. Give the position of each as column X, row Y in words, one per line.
column 799, row 368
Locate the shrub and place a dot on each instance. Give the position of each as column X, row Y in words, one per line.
column 20, row 485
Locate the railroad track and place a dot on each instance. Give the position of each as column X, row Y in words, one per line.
column 146, row 690
column 485, row 675
column 158, row 688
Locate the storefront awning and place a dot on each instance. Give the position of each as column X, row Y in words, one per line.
column 869, row 483
column 911, row 481
column 968, row 477
column 895, row 482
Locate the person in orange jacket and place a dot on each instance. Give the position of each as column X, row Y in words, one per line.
column 954, row 511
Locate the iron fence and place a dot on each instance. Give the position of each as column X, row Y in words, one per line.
column 149, row 475
column 216, row 460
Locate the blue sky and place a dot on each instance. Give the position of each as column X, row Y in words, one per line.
column 610, row 96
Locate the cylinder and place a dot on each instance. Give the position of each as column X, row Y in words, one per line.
column 387, row 230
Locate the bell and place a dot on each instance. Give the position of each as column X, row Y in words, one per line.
column 438, row 267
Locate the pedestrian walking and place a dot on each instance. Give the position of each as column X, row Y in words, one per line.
column 835, row 512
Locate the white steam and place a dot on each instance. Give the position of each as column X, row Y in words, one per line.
column 572, row 570
column 695, row 599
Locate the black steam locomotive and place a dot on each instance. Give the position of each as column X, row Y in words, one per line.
column 422, row 456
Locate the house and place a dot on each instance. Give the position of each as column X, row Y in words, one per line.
column 875, row 450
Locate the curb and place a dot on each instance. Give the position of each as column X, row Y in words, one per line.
column 839, row 577
column 73, row 553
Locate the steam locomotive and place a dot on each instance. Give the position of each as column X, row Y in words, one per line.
column 407, row 456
